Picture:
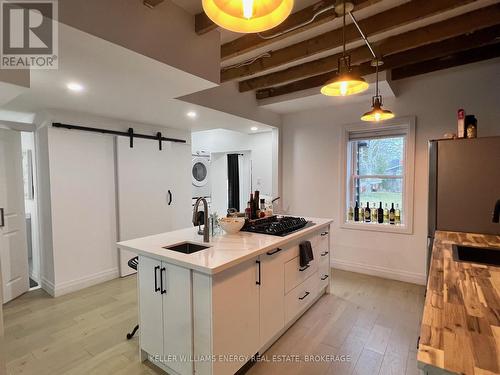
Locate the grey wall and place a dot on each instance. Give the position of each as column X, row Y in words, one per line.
column 311, row 168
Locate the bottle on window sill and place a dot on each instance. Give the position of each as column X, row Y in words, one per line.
column 380, row 214
column 361, row 213
column 386, row 214
column 350, row 214
column 356, row 212
column 374, row 212
column 397, row 215
column 392, row 215
column 368, row 216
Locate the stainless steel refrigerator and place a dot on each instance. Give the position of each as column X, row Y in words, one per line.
column 464, row 185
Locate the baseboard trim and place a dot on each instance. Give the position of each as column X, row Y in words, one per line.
column 384, row 272
column 48, row 286
column 84, row 282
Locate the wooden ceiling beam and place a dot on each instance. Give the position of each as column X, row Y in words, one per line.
column 152, row 3
column 476, row 20
column 250, row 42
column 460, row 58
column 395, row 17
column 436, row 50
column 203, row 24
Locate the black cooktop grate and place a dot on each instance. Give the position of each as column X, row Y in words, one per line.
column 276, row 225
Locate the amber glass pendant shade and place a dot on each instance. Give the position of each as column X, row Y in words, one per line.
column 346, row 82
column 344, row 85
column 247, row 16
column 377, row 113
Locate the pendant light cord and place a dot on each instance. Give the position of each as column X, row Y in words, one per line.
column 376, row 76
column 343, row 29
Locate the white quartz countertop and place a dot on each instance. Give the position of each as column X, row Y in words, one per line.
column 224, row 250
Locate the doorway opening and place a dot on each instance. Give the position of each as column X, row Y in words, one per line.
column 31, row 208
column 252, row 159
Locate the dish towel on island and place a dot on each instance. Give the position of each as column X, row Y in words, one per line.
column 306, row 253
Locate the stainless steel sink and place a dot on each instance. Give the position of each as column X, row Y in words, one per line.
column 186, row 247
column 471, row 254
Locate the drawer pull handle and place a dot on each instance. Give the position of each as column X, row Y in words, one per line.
column 323, row 234
column 274, row 251
column 324, row 254
column 305, row 268
column 304, row 296
column 162, row 290
column 156, row 279
column 324, row 277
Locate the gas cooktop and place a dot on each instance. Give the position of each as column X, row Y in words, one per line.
column 277, row 225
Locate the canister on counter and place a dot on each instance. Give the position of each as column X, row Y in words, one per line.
column 470, row 126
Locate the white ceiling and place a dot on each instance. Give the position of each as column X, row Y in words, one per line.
column 194, row 7
column 121, row 84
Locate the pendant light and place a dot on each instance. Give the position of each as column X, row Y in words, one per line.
column 247, row 16
column 346, row 82
column 377, row 113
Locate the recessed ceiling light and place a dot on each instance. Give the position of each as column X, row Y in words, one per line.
column 74, row 86
column 254, row 128
column 191, row 114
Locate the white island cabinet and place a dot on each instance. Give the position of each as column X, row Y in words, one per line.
column 210, row 312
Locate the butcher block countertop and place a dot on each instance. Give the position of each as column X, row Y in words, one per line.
column 461, row 322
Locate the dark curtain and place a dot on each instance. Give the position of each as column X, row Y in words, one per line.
column 233, row 177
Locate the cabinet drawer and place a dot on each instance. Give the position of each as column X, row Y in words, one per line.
column 323, row 275
column 323, row 258
column 301, row 297
column 324, row 240
column 295, row 275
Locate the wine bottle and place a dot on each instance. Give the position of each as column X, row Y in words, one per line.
column 374, row 213
column 380, row 214
column 392, row 214
column 252, row 207
column 248, row 211
column 368, row 216
column 256, row 199
column 361, row 213
column 397, row 215
column 356, row 212
column 350, row 213
column 386, row 214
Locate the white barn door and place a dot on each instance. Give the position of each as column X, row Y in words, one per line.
column 153, row 190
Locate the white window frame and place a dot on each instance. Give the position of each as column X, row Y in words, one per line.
column 401, row 125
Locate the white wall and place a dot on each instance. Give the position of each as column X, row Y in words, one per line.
column 227, row 98
column 78, row 200
column 260, row 145
column 310, row 146
column 165, row 33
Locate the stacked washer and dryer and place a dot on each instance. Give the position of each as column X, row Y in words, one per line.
column 200, row 175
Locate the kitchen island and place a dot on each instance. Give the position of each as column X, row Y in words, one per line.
column 212, row 310
column 460, row 331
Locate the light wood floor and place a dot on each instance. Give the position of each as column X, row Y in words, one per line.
column 373, row 321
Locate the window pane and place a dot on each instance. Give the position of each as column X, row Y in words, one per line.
column 376, row 190
column 379, row 156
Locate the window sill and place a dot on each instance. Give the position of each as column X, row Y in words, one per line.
column 376, row 227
